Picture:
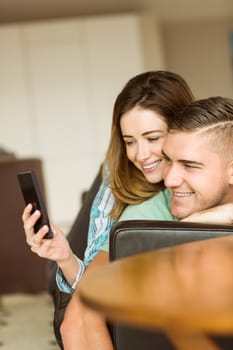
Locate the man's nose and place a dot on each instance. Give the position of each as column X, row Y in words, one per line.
column 172, row 176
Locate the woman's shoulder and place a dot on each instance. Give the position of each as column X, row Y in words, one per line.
column 154, row 208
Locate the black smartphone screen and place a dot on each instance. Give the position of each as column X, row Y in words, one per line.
column 32, row 194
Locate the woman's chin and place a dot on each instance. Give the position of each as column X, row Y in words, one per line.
column 153, row 178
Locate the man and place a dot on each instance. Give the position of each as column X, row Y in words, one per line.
column 199, row 157
column 199, row 166
column 198, row 174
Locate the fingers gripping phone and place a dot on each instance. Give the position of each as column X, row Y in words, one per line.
column 32, row 194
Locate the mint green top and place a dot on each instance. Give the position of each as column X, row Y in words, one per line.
column 155, row 208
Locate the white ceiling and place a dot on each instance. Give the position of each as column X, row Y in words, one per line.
column 24, row 10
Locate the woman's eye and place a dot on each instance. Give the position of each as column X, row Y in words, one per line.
column 128, row 143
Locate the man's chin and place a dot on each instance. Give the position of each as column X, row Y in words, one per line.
column 180, row 213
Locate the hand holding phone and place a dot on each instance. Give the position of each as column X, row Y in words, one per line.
column 32, row 194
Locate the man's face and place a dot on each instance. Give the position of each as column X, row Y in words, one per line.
column 196, row 176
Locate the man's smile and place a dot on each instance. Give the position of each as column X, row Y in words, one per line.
column 182, row 194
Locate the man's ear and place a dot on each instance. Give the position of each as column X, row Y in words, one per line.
column 230, row 167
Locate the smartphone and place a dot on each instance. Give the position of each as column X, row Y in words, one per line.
column 32, row 194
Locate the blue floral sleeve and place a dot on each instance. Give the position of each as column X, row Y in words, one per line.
column 98, row 232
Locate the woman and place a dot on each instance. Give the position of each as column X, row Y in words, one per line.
column 156, row 95
column 135, row 167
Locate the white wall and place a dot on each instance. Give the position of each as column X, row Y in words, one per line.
column 152, row 41
column 58, row 83
column 199, row 51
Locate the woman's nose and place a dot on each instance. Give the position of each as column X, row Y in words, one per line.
column 142, row 153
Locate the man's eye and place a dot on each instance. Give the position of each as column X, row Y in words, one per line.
column 167, row 160
column 189, row 166
column 151, row 139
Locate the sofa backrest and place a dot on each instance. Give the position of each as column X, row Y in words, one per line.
column 138, row 236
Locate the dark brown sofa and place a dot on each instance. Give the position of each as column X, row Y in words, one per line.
column 137, row 236
column 21, row 271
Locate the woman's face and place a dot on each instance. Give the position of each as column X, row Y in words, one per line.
column 144, row 132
